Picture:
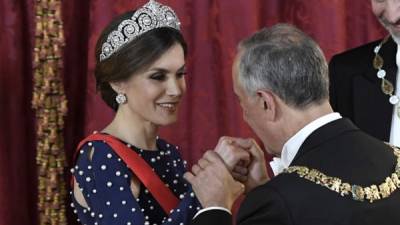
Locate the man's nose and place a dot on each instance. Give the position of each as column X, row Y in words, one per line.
column 392, row 11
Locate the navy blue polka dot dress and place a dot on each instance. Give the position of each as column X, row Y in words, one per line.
column 104, row 180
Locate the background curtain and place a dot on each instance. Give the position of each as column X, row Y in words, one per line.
column 212, row 29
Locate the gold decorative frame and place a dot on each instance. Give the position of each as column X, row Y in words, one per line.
column 50, row 104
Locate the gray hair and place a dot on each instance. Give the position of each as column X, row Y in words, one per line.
column 287, row 62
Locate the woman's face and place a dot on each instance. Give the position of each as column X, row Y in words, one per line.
column 155, row 94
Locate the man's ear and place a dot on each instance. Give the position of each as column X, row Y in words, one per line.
column 268, row 103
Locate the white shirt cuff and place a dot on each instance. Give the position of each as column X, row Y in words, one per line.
column 212, row 208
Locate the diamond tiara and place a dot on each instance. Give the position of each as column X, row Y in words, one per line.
column 150, row 16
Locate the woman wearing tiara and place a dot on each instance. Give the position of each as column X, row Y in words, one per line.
column 125, row 174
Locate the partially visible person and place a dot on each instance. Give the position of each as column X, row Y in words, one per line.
column 327, row 171
column 125, row 174
column 365, row 83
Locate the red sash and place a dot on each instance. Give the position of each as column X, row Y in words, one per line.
column 140, row 168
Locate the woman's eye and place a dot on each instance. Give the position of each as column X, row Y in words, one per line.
column 158, row 76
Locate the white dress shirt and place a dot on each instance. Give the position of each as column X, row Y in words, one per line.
column 292, row 146
column 212, row 208
column 395, row 127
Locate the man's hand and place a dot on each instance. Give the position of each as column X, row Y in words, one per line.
column 244, row 159
column 213, row 183
column 258, row 174
column 232, row 151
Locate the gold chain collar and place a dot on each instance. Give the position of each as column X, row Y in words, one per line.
column 357, row 192
column 386, row 86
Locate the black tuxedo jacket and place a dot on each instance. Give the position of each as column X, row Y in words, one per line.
column 355, row 90
column 338, row 149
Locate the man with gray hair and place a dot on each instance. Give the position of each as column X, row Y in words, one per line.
column 327, row 171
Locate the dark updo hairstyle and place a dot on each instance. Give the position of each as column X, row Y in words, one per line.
column 133, row 57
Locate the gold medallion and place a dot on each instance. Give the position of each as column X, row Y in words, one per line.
column 387, row 87
column 378, row 62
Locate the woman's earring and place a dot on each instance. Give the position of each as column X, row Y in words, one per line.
column 121, row 98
